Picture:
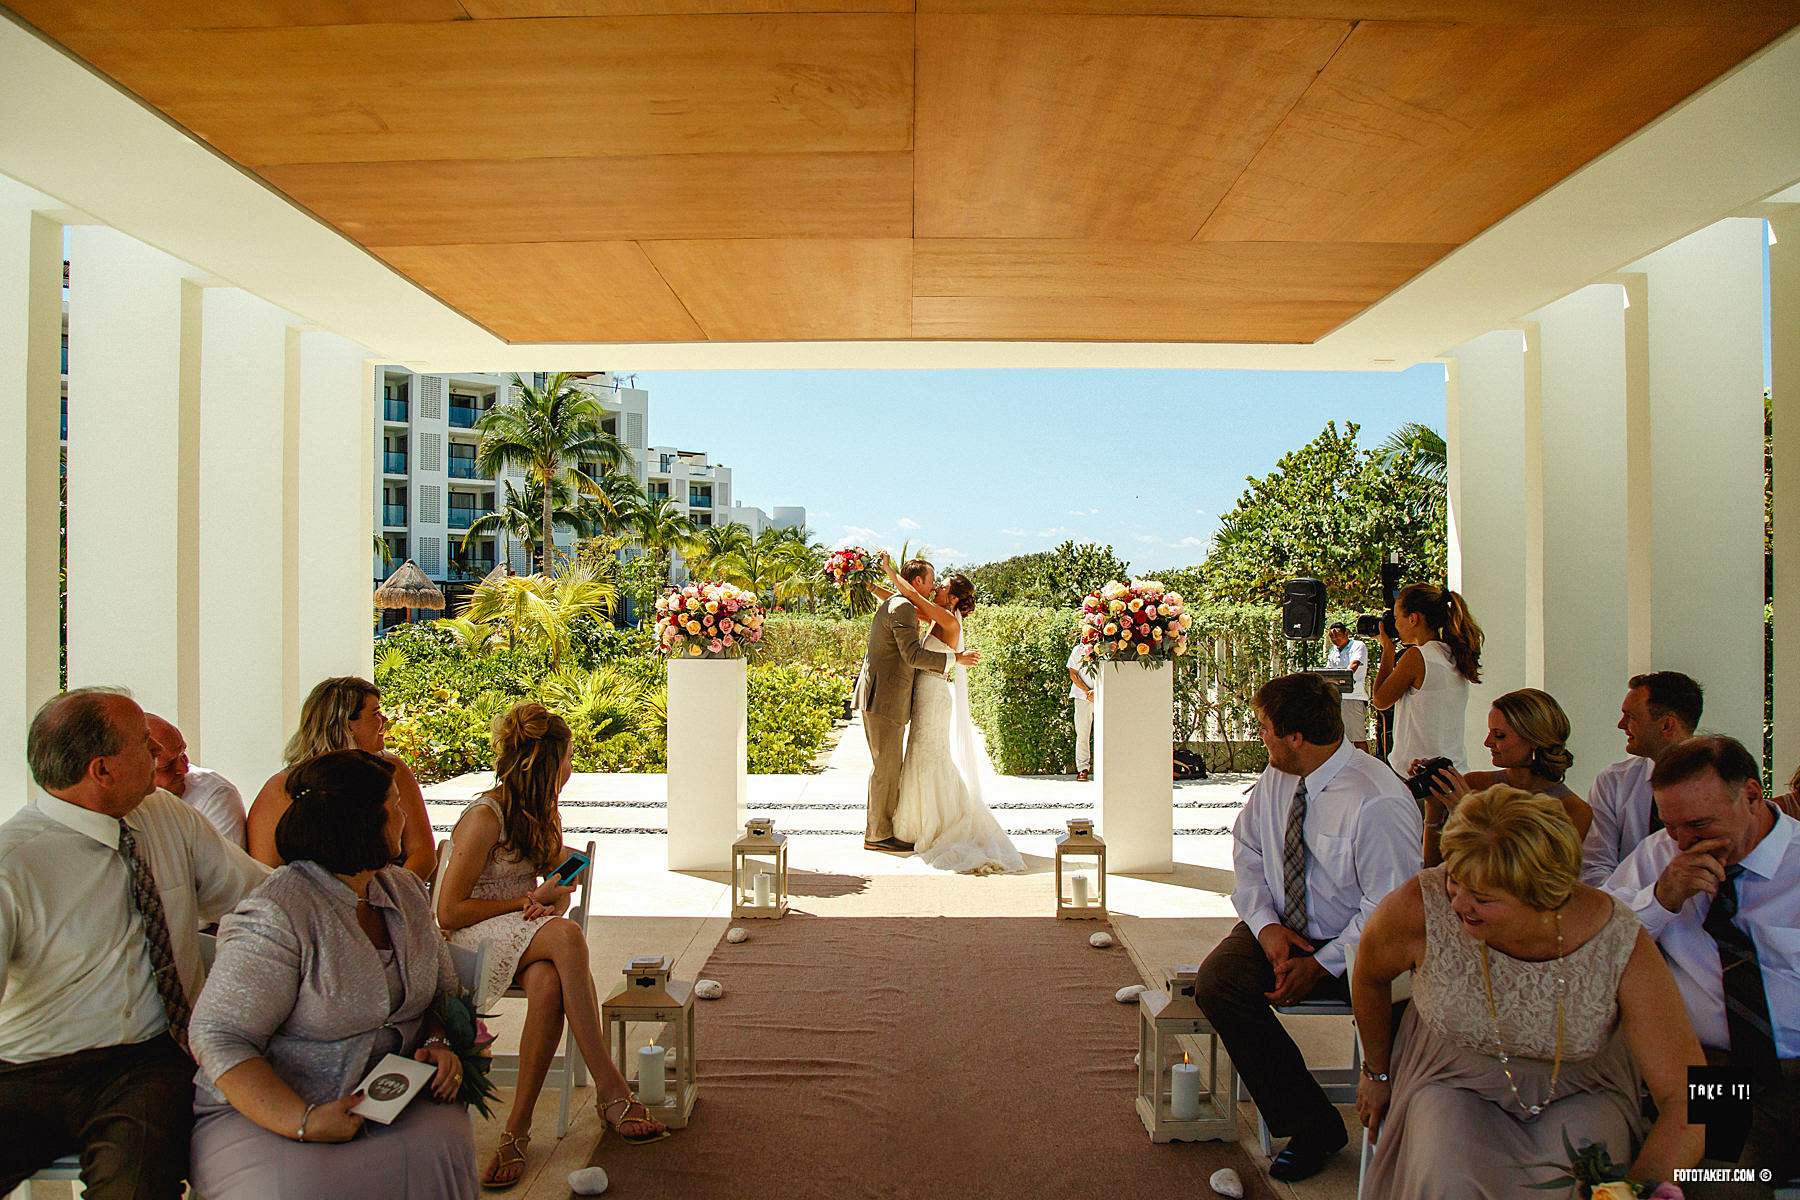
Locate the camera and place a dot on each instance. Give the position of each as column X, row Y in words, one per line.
column 1368, row 624
column 1420, row 781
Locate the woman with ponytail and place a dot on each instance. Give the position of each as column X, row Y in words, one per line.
column 1527, row 736
column 490, row 892
column 1427, row 686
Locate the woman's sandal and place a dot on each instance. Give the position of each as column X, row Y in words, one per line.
column 625, row 1118
column 510, row 1152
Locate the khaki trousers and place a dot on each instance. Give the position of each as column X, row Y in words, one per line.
column 887, row 747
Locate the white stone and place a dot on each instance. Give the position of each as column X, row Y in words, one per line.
column 737, row 934
column 1129, row 993
column 1137, row 1060
column 1100, row 941
column 1225, row 1181
column 709, row 989
column 591, row 1181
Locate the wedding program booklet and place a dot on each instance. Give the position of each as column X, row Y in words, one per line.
column 390, row 1085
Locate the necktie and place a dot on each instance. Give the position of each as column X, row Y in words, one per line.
column 1293, row 865
column 1746, row 1004
column 1656, row 821
column 156, row 934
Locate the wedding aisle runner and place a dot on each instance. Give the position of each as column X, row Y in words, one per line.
column 935, row 1057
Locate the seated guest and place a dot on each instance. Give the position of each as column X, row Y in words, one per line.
column 1789, row 801
column 1661, row 711
column 509, row 837
column 333, row 963
column 1328, row 832
column 104, row 883
column 1527, row 737
column 206, row 792
column 1539, row 1008
column 1719, row 889
column 342, row 713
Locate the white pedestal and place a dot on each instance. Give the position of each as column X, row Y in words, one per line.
column 708, row 750
column 1134, row 734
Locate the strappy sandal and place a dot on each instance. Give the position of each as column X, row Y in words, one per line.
column 510, row 1152
column 630, row 1102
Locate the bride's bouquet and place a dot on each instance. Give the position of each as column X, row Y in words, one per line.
column 711, row 620
column 1140, row 621
column 853, row 571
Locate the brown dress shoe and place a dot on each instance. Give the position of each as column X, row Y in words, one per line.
column 1081, row 777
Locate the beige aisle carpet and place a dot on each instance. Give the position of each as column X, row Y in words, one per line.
column 938, row 1057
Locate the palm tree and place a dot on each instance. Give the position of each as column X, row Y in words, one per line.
column 539, row 608
column 714, row 545
column 549, row 433
column 1418, row 449
column 662, row 527
column 520, row 514
column 800, row 561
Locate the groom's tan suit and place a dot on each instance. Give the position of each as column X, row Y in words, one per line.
column 884, row 694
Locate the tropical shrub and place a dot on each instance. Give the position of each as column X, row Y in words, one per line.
column 791, row 710
column 1019, row 694
column 827, row 643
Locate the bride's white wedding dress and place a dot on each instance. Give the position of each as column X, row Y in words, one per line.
column 940, row 810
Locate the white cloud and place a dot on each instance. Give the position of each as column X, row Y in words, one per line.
column 952, row 552
column 1076, row 512
column 1093, row 512
column 1014, row 533
column 1199, row 512
column 1055, row 531
column 1191, row 542
column 1149, row 539
column 822, row 516
column 907, row 523
column 854, row 534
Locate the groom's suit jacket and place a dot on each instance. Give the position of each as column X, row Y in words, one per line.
column 895, row 651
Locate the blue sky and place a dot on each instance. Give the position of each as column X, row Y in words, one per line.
column 981, row 465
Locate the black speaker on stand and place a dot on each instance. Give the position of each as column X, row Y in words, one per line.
column 1303, row 609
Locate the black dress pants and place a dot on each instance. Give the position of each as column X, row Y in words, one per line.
column 1233, row 986
column 127, row 1110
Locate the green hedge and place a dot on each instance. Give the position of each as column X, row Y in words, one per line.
column 1019, row 693
column 791, row 710
column 827, row 643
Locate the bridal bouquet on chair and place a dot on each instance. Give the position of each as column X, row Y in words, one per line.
column 1139, row 621
column 710, row 620
column 852, row 571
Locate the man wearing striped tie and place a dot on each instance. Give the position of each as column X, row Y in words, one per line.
column 1327, row 833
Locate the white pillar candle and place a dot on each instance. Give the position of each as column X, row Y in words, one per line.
column 1184, row 1091
column 760, row 884
column 1078, row 886
column 651, row 1066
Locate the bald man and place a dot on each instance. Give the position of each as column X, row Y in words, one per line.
column 206, row 792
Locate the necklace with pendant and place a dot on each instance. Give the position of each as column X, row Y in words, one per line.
column 1494, row 1012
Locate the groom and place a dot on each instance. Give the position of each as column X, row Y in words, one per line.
column 884, row 694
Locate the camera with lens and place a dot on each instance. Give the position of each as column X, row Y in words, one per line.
column 1368, row 624
column 1420, row 782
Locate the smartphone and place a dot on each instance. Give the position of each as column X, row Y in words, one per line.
column 569, row 868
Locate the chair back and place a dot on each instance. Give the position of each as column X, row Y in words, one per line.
column 471, row 972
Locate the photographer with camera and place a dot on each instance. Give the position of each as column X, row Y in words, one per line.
column 1427, row 686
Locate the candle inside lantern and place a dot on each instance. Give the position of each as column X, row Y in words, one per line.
column 1078, row 885
column 1184, row 1091
column 760, row 885
column 651, row 1065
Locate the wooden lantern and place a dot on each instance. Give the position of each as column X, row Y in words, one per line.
column 1165, row 1021
column 1080, row 849
column 761, row 851
column 649, row 997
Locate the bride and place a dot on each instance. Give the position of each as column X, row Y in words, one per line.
column 940, row 810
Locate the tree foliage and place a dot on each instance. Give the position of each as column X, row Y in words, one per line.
column 1057, row 578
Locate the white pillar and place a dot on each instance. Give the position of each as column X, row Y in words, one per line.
column 1486, row 442
column 336, row 498
column 249, row 568
column 30, row 339
column 1784, row 329
column 1705, row 386
column 1134, row 730
column 133, row 449
column 709, row 743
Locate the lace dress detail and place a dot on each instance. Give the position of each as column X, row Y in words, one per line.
column 939, row 812
column 505, row 877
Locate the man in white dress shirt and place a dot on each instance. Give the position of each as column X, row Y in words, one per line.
column 1661, row 710
column 1351, row 654
column 104, row 882
column 1718, row 887
column 1327, row 834
column 206, row 792
column 1081, row 691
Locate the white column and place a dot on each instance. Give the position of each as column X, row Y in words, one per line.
column 1784, row 328
column 709, row 743
column 1486, row 442
column 133, row 505
column 30, row 340
column 336, row 497
column 1134, row 728
column 1705, row 383
column 249, row 568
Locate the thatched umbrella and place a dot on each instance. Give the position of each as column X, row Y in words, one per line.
column 409, row 589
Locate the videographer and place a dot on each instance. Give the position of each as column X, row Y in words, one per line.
column 1427, row 686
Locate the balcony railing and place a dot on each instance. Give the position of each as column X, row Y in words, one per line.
column 464, row 468
column 393, row 464
column 462, row 418
column 695, row 501
column 475, row 569
column 393, row 514
column 462, row 518
column 394, row 410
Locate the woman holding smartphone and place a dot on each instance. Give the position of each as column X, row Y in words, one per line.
column 490, row 891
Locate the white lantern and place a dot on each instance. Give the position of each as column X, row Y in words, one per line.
column 649, row 997
column 759, row 882
column 1172, row 1030
column 1080, row 874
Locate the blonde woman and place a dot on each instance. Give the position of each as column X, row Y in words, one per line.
column 1527, row 737
column 341, row 713
column 1427, row 685
column 491, row 891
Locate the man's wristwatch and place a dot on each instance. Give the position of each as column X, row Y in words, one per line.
column 1378, row 1077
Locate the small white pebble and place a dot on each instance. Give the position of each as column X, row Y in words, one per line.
column 590, row 1181
column 1225, row 1181
column 1129, row 994
column 737, row 934
column 709, row 989
column 1100, row 941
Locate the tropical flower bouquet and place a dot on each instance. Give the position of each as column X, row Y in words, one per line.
column 1591, row 1174
column 853, row 571
column 708, row 620
column 473, row 1046
column 1140, row 621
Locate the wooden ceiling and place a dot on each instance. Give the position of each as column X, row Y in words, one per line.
column 751, row 170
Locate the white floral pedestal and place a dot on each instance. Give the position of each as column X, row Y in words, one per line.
column 1134, row 731
column 708, row 752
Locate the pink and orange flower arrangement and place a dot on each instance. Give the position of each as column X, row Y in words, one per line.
column 1140, row 621
column 708, row 620
column 853, row 571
